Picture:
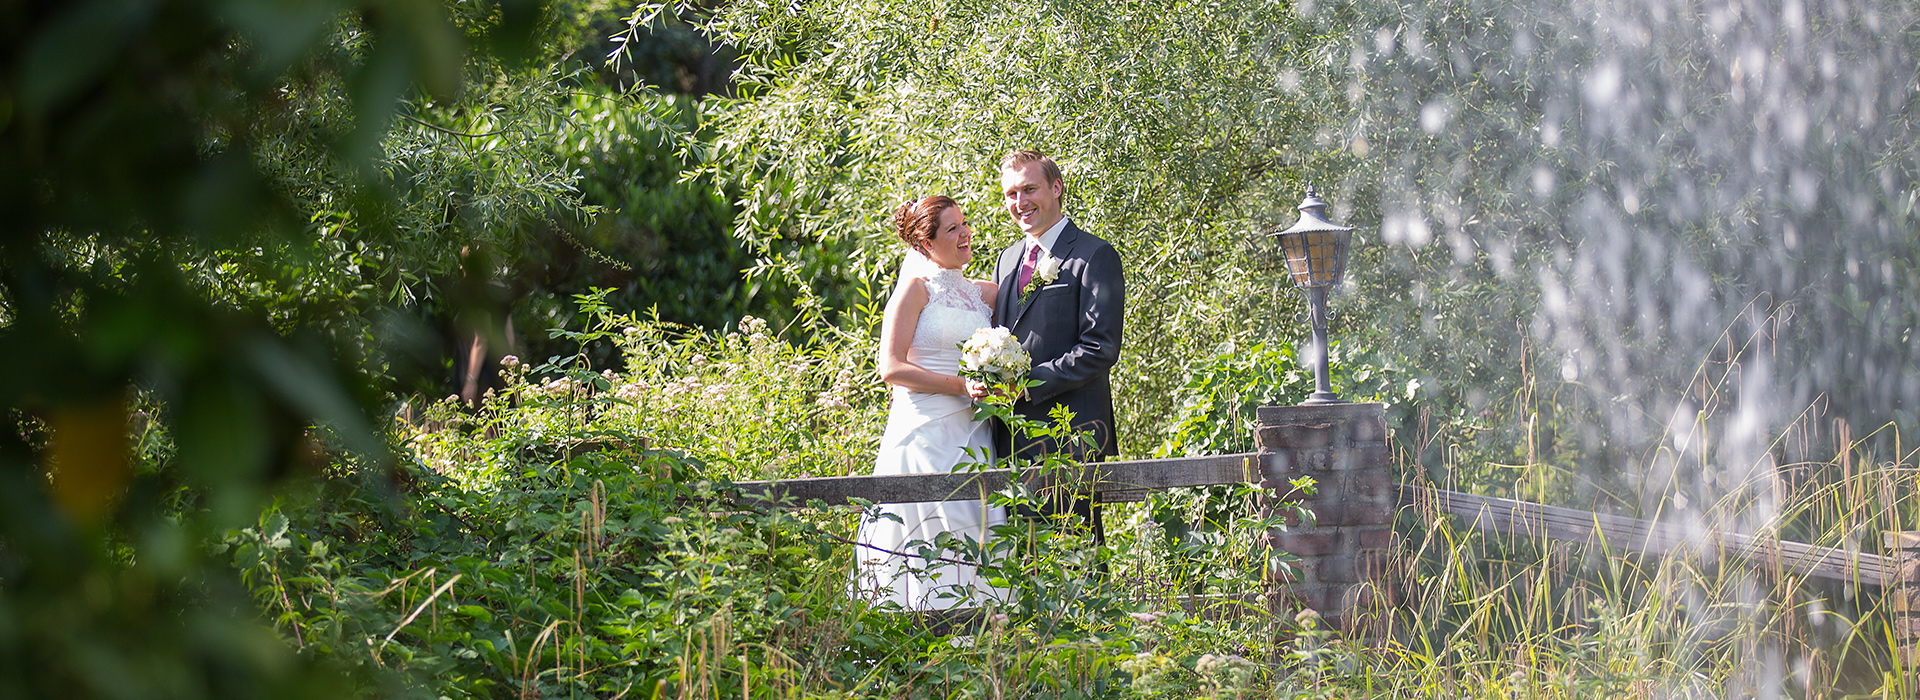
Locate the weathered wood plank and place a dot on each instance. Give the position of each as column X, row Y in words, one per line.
column 1131, row 475
column 1630, row 534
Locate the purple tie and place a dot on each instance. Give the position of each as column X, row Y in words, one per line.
column 1026, row 268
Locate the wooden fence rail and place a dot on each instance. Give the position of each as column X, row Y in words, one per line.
column 1513, row 517
column 1125, row 479
column 1109, row 479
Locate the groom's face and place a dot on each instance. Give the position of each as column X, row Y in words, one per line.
column 1031, row 199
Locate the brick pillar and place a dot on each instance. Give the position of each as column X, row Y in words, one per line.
column 1345, row 551
column 1903, row 596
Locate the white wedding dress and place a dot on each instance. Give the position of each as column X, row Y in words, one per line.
column 929, row 434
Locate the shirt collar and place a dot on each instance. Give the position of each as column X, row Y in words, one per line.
column 1052, row 235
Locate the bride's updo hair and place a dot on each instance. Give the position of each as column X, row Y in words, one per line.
column 918, row 220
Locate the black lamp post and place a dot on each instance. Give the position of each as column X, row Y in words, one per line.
column 1316, row 252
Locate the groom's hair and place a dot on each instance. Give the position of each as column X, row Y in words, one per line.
column 1014, row 159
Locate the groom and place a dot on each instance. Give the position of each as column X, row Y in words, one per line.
column 1062, row 295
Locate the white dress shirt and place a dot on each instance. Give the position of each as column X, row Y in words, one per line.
column 1046, row 240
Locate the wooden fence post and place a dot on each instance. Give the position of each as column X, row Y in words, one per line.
column 1345, row 551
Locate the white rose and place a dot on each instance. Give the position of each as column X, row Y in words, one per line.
column 993, row 350
column 1047, row 270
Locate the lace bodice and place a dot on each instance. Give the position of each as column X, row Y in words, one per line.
column 954, row 311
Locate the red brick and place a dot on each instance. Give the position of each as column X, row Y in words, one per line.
column 1305, row 544
column 1287, row 436
column 1320, row 598
column 1374, row 538
column 1370, row 456
column 1277, row 465
column 1369, row 429
column 1352, row 512
column 1349, row 568
column 1371, row 482
column 1329, row 512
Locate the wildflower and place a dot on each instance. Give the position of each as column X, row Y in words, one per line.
column 1307, row 618
column 1143, row 617
column 509, row 361
column 1210, row 665
column 699, row 360
column 631, row 331
column 832, row 400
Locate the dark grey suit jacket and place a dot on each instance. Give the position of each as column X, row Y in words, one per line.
column 1071, row 329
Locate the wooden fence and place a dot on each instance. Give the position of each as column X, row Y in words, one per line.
column 1343, row 447
column 1123, row 481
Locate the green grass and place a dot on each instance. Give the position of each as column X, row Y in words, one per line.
column 507, row 565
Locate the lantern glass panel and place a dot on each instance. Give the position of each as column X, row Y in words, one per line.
column 1316, row 258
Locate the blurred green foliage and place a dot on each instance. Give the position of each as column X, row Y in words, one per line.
column 164, row 174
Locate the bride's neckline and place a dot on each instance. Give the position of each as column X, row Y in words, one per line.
column 946, row 274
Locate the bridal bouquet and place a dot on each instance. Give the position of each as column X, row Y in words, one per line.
column 993, row 355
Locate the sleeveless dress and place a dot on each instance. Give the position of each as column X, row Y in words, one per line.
column 927, row 434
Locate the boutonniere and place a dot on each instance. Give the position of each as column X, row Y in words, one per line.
column 1045, row 271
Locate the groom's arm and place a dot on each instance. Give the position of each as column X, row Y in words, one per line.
column 1102, row 308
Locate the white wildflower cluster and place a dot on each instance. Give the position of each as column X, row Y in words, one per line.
column 1308, row 618
column 754, row 327
column 1213, row 665
column 1152, row 672
column 555, row 388
column 1226, row 671
column 995, row 353
column 683, row 385
column 836, row 398
column 631, row 392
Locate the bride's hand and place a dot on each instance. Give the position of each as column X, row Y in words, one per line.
column 977, row 390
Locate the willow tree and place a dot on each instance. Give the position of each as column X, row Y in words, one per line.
column 1181, row 127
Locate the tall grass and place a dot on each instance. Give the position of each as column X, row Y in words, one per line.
column 1491, row 615
column 604, row 570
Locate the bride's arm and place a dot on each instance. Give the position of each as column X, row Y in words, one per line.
column 989, row 290
column 896, row 336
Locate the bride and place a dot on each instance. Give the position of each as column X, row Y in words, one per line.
column 930, row 426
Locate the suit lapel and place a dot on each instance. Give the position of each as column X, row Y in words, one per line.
column 1062, row 248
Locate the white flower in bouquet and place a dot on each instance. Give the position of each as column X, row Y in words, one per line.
column 994, row 352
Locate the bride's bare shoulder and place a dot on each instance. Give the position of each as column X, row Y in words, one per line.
column 911, row 289
column 988, row 288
